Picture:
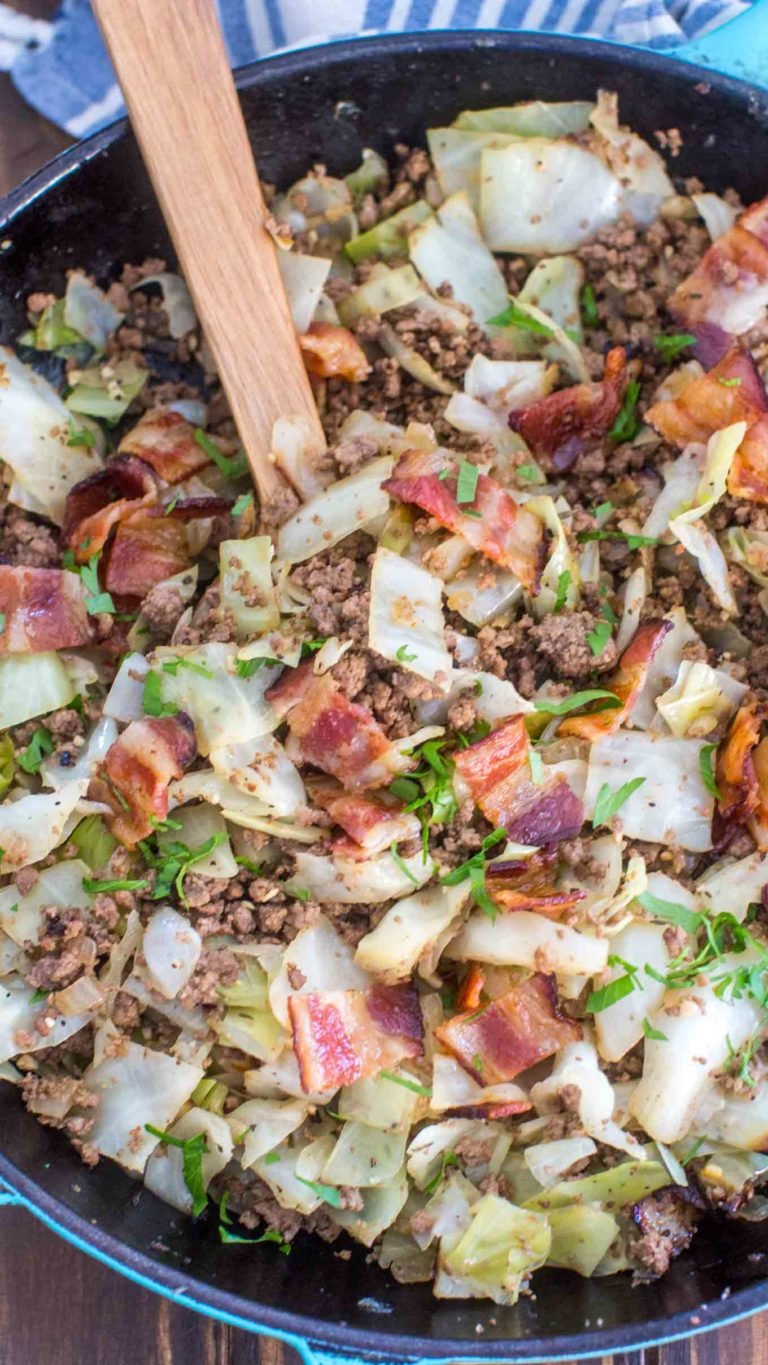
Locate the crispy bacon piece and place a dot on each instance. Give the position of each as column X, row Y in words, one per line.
column 342, row 1036
column 152, row 545
column 729, row 286
column 512, row 1034
column 333, row 733
column 166, row 441
column 493, row 523
column 98, row 503
column 371, row 824
column 735, row 773
column 43, row 609
column 134, row 776
column 497, row 771
column 529, row 884
column 626, row 683
column 471, row 988
column 562, row 424
column 331, row 352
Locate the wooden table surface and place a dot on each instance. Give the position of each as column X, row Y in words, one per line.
column 59, row 1307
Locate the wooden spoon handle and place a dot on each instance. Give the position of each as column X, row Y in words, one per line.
column 170, row 58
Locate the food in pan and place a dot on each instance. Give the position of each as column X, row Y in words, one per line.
column 389, row 862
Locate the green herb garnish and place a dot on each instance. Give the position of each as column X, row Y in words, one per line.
column 627, row 423
column 655, row 1035
column 447, row 1159
column 40, row 745
column 598, row 638
column 671, row 912
column 152, row 698
column 669, row 347
column 635, row 542
column 404, row 655
column 407, row 1083
column 328, row 1193
column 706, row 768
column 232, row 468
column 514, row 316
column 94, row 887
column 466, row 482
column 79, row 436
column 609, row 802
column 551, row 707
column 96, row 601
column 192, row 1149
column 589, row 307
column 242, row 504
column 563, row 584
column 402, row 864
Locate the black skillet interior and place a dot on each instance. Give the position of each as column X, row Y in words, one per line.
column 93, row 207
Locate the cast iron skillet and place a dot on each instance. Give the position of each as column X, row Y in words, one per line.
column 93, row 207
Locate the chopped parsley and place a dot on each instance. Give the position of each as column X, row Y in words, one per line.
column 94, row 887
column 242, row 504
column 271, row 1235
column 609, row 802
column 299, row 893
column 40, row 745
column 328, row 1193
column 446, row 1160
column 192, row 1151
column 172, row 860
column 706, row 768
column 728, row 383
column 408, row 1083
column 589, row 306
column 669, row 347
column 233, row 468
column 96, row 601
column 536, row 766
column 604, row 510
column 428, row 789
column 173, row 665
column 79, row 436
column 551, row 706
column 654, row 1034
column 598, row 638
column 245, row 668
column 474, row 868
column 152, row 698
column 671, row 912
column 563, row 584
column 466, row 482
column 606, row 996
column 627, row 424
column 402, row 864
column 635, row 542
column 529, row 473
column 404, row 655
column 514, row 316
column 2, row 622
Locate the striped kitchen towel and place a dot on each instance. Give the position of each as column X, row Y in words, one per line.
column 63, row 70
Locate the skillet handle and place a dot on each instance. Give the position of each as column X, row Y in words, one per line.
column 738, row 48
column 8, row 1196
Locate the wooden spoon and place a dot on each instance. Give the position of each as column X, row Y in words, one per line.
column 171, row 62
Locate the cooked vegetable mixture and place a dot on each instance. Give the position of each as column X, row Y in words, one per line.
column 390, row 861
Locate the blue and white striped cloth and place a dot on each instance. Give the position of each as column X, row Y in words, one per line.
column 62, row 68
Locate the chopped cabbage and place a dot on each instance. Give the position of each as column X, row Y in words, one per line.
column 681, row 481
column 409, row 929
column 412, row 361
column 405, row 624
column 635, row 593
column 481, row 594
column 183, row 584
column 134, row 1088
column 262, row 768
column 303, row 278
column 524, row 939
column 505, row 384
column 450, row 249
column 225, row 708
column 171, row 950
column 620, row 1026
column 320, row 956
column 88, row 311
column 20, row 1011
column 627, row 1183
column 577, row 1067
column 107, row 391
column 456, row 154
column 427, row 1148
column 561, row 560
column 700, row 698
column 365, row 1157
column 672, row 806
column 124, row 699
column 349, row 505
column 554, row 288
column 247, row 591
column 33, row 826
column 32, row 685
column 164, row 1171
column 499, row 1251
column 98, row 742
column 34, row 434
column 729, row 887
column 581, row 1237
column 664, row 667
column 380, row 1102
column 389, row 237
column 361, row 880
column 381, row 1206
column 548, row 1162
column 21, row 916
column 177, row 301
column 532, row 118
column 717, row 213
column 384, row 290
column 262, row 1125
column 541, row 197
column 639, row 169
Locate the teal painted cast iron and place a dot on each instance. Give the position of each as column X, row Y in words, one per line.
column 93, row 207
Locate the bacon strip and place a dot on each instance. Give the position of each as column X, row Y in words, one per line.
column 626, row 683
column 497, row 771
column 98, row 503
column 729, row 287
column 529, row 884
column 152, row 545
column 332, row 352
column 494, row 523
column 342, row 1036
column 135, row 774
column 43, row 609
column 369, row 822
column 731, row 392
column 735, row 774
column 512, row 1034
column 333, row 733
column 166, row 441
column 562, row 424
